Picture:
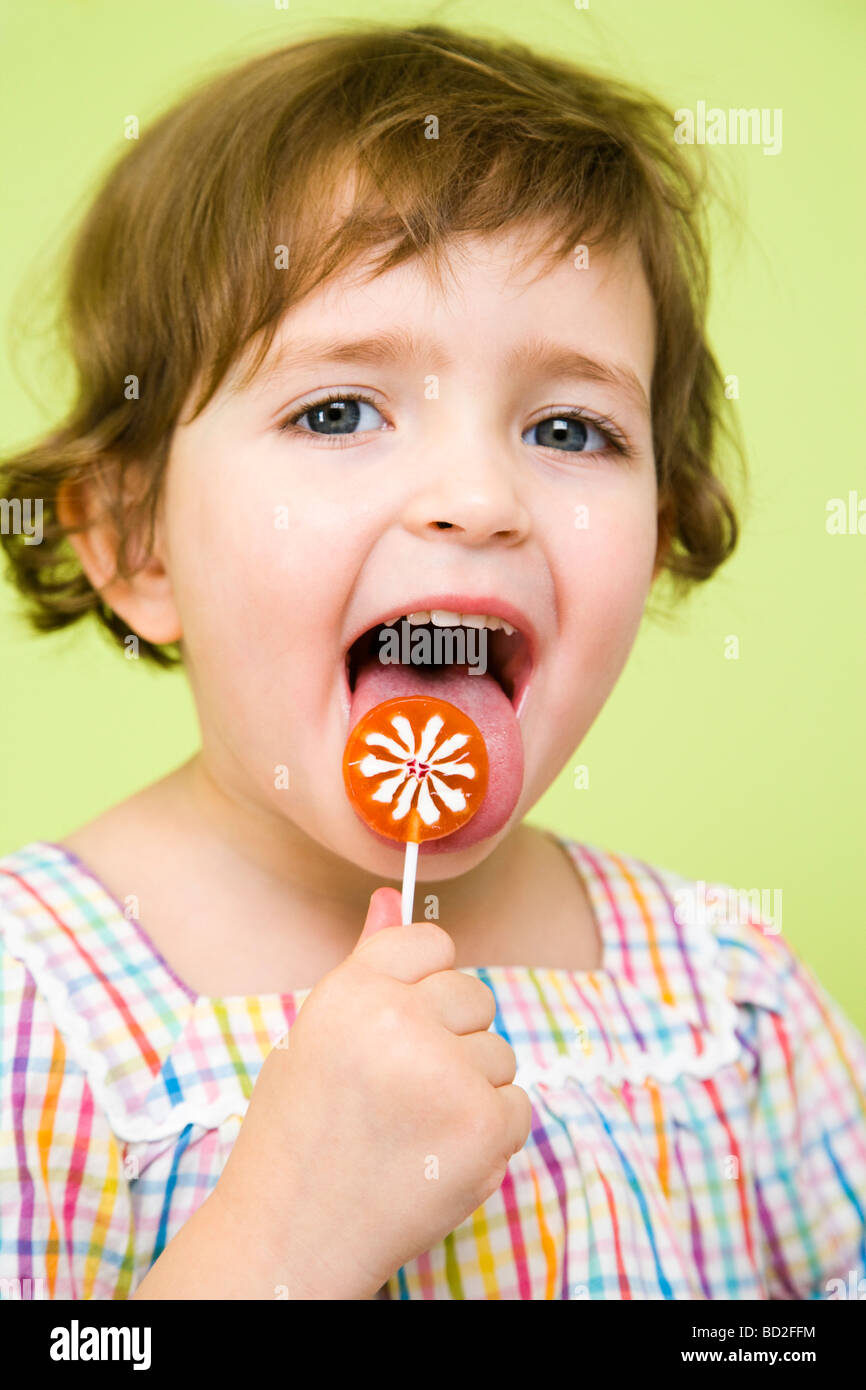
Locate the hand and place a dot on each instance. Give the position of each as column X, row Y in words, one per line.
column 390, row 1117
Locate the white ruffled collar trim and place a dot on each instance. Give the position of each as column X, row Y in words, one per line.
column 145, row 1112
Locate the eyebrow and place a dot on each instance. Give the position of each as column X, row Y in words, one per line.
column 537, row 355
column 561, row 361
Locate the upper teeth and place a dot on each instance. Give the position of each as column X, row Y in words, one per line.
column 441, row 617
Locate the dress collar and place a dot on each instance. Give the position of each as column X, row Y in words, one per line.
column 159, row 1057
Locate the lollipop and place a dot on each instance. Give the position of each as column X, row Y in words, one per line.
column 415, row 769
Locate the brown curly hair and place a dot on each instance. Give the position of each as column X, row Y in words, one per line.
column 171, row 272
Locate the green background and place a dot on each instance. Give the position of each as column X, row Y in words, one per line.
column 746, row 771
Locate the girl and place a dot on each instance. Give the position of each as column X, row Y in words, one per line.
column 383, row 325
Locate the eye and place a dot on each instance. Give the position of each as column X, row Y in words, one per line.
column 335, row 415
column 572, row 432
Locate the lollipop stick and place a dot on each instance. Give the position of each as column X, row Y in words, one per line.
column 410, row 868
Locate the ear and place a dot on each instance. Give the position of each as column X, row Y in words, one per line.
column 144, row 599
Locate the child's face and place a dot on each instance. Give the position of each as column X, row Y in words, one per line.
column 282, row 548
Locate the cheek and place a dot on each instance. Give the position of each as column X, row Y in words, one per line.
column 258, row 569
column 606, row 578
column 248, row 546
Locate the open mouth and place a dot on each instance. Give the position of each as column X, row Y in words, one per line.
column 437, row 641
column 479, row 660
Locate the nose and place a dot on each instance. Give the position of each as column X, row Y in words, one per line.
column 475, row 504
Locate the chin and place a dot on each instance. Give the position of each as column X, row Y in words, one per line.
column 438, row 860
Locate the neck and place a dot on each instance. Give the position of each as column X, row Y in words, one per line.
column 271, row 854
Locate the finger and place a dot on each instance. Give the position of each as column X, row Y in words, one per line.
column 407, row 953
column 461, row 1003
column 517, row 1110
column 490, row 1055
column 384, row 911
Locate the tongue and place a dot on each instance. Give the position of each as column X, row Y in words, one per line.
column 484, row 700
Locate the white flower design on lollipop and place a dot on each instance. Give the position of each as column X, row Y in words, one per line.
column 417, row 768
column 404, row 791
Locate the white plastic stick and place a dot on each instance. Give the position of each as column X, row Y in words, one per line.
column 410, row 868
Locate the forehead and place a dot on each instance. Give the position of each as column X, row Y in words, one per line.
column 495, row 294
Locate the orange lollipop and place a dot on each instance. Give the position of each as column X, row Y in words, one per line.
column 415, row 768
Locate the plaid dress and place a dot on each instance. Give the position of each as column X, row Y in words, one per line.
column 698, row 1126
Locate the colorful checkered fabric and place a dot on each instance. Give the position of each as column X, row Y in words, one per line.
column 698, row 1121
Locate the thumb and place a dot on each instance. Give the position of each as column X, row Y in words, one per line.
column 385, row 910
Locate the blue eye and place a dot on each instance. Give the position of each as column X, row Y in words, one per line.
column 352, row 413
column 335, row 415
column 571, row 434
